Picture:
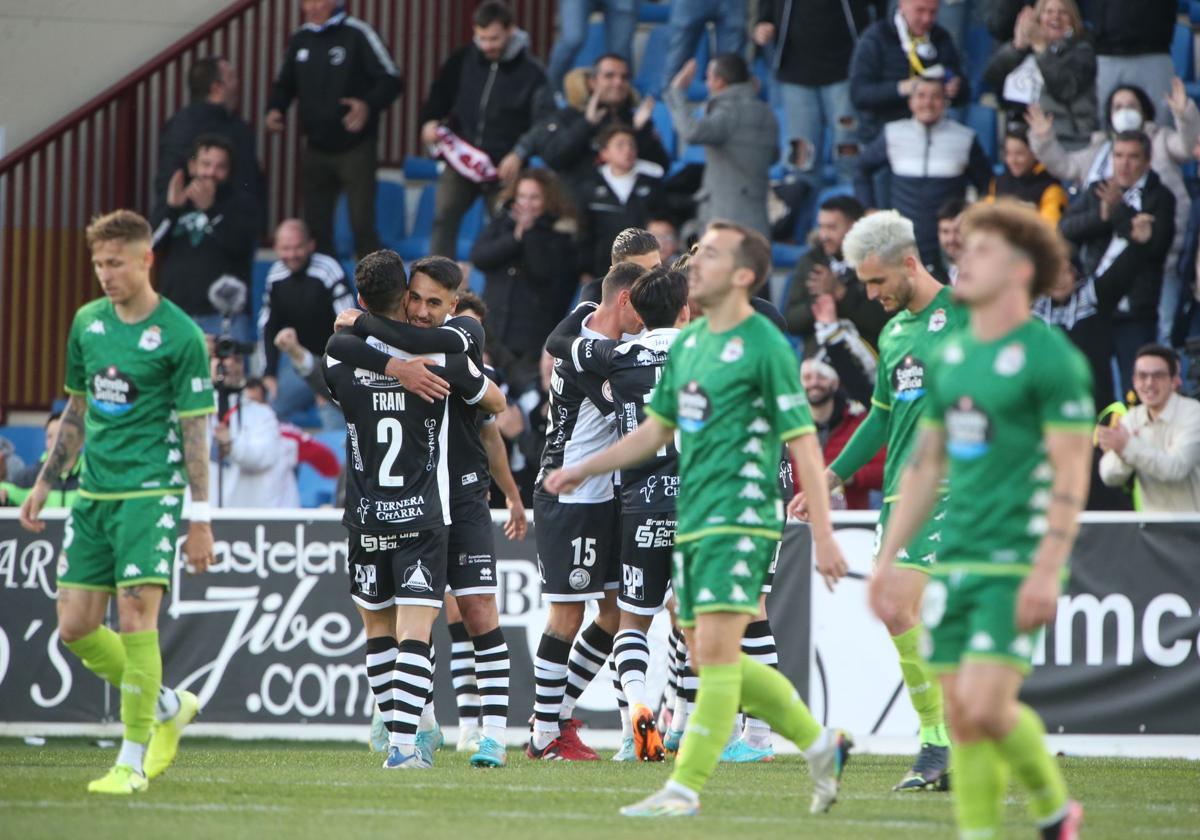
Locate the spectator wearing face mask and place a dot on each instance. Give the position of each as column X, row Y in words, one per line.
column 1025, row 179
column 1129, row 108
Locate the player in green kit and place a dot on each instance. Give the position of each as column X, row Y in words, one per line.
column 139, row 390
column 1008, row 418
column 730, row 391
column 883, row 250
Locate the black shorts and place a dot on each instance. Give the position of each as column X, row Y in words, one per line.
column 577, row 548
column 404, row 569
column 769, row 581
column 471, row 552
column 647, row 540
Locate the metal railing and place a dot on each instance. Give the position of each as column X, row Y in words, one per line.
column 103, row 155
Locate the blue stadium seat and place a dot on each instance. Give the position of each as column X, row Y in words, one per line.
column 654, row 12
column 593, row 45
column 698, row 91
column 983, row 120
column 335, row 439
column 476, row 281
column 1193, row 12
column 1183, row 53
column 29, row 442
column 469, row 229
column 315, row 489
column 420, row 169
column 666, row 128
column 416, row 244
column 979, row 49
column 786, row 256
column 389, row 218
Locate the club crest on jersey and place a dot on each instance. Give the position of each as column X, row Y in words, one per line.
column 606, row 390
column 937, row 321
column 112, row 391
column 151, row 338
column 1010, row 360
column 733, row 350
column 579, row 579
column 417, row 578
column 471, row 367
column 968, row 430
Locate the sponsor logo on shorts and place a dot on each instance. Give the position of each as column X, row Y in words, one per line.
column 705, row 596
column 473, row 559
column 981, row 641
column 579, row 579
column 163, row 568
column 485, row 574
column 740, row 569
column 633, row 582
column 470, row 478
column 131, row 570
column 365, row 580
column 417, row 578
column 737, row 593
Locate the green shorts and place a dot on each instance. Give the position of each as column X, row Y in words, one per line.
column 921, row 553
column 974, row 617
column 108, row 543
column 720, row 573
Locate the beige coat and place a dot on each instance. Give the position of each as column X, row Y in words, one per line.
column 1165, row 455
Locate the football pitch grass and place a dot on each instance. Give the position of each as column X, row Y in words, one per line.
column 221, row 788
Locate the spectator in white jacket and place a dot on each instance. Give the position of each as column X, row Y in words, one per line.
column 251, row 467
column 1158, row 441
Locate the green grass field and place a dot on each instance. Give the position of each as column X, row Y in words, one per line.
column 285, row 789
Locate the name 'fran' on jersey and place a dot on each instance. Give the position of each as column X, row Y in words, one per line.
column 397, row 471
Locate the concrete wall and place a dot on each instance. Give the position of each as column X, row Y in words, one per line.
column 55, row 55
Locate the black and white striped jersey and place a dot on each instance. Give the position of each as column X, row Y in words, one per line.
column 581, row 421
column 397, row 467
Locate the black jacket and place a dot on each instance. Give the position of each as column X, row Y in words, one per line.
column 179, row 134
column 880, row 64
column 602, row 216
column 1126, row 27
column 307, row 300
column 193, row 248
column 530, row 282
column 565, row 141
column 867, row 315
column 491, row 104
column 814, row 39
column 1083, row 227
column 343, row 58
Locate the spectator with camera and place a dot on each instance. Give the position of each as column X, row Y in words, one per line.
column 1158, row 441
column 204, row 238
column 305, row 291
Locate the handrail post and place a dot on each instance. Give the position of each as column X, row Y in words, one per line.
column 125, row 148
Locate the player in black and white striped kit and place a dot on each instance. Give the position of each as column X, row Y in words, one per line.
column 578, row 553
column 648, row 491
column 398, row 503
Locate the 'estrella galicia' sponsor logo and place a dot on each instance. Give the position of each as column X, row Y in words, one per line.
column 968, row 430
column 908, row 379
column 694, row 407
column 113, row 392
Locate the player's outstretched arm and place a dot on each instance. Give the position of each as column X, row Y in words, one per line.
column 918, row 492
column 198, row 547
column 633, row 449
column 810, row 472
column 497, row 455
column 1070, row 455
column 70, row 441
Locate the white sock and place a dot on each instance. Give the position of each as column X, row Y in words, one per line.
column 686, row 792
column 168, row 704
column 818, row 746
column 499, row 734
column 626, row 723
column 757, row 733
column 132, row 755
column 428, row 718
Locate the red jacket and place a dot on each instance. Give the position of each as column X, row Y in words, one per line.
column 870, row 477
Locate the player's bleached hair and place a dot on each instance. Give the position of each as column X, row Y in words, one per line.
column 886, row 235
column 118, row 226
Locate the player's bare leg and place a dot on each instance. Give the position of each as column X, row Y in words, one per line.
column 481, row 618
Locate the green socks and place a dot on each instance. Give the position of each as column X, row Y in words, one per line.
column 102, row 653
column 923, row 688
column 768, row 695
column 140, row 683
column 980, row 780
column 708, row 727
column 1024, row 748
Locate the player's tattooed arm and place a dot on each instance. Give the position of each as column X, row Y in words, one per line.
column 70, row 439
column 195, row 455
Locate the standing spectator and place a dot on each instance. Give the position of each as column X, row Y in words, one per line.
column 836, row 416
column 1101, row 224
column 204, row 240
column 740, row 136
column 620, row 21
column 814, row 40
column 1129, row 108
column 823, row 270
column 1050, row 63
column 340, row 73
column 621, row 193
column 215, row 92
column 667, row 235
column 1133, row 45
column 1158, row 441
column 945, row 269
column 892, row 55
column 64, row 488
column 305, row 291
column 688, row 23
column 1025, row 178
column 931, row 159
column 490, row 92
column 1000, row 16
column 568, row 140
column 528, row 257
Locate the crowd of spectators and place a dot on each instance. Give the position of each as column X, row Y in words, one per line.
column 813, row 110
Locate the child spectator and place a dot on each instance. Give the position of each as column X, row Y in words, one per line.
column 1025, row 178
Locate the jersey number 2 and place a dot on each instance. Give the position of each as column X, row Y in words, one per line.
column 389, row 431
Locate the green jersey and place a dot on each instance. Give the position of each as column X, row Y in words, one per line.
column 139, row 380
column 907, row 345
column 996, row 400
column 732, row 396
